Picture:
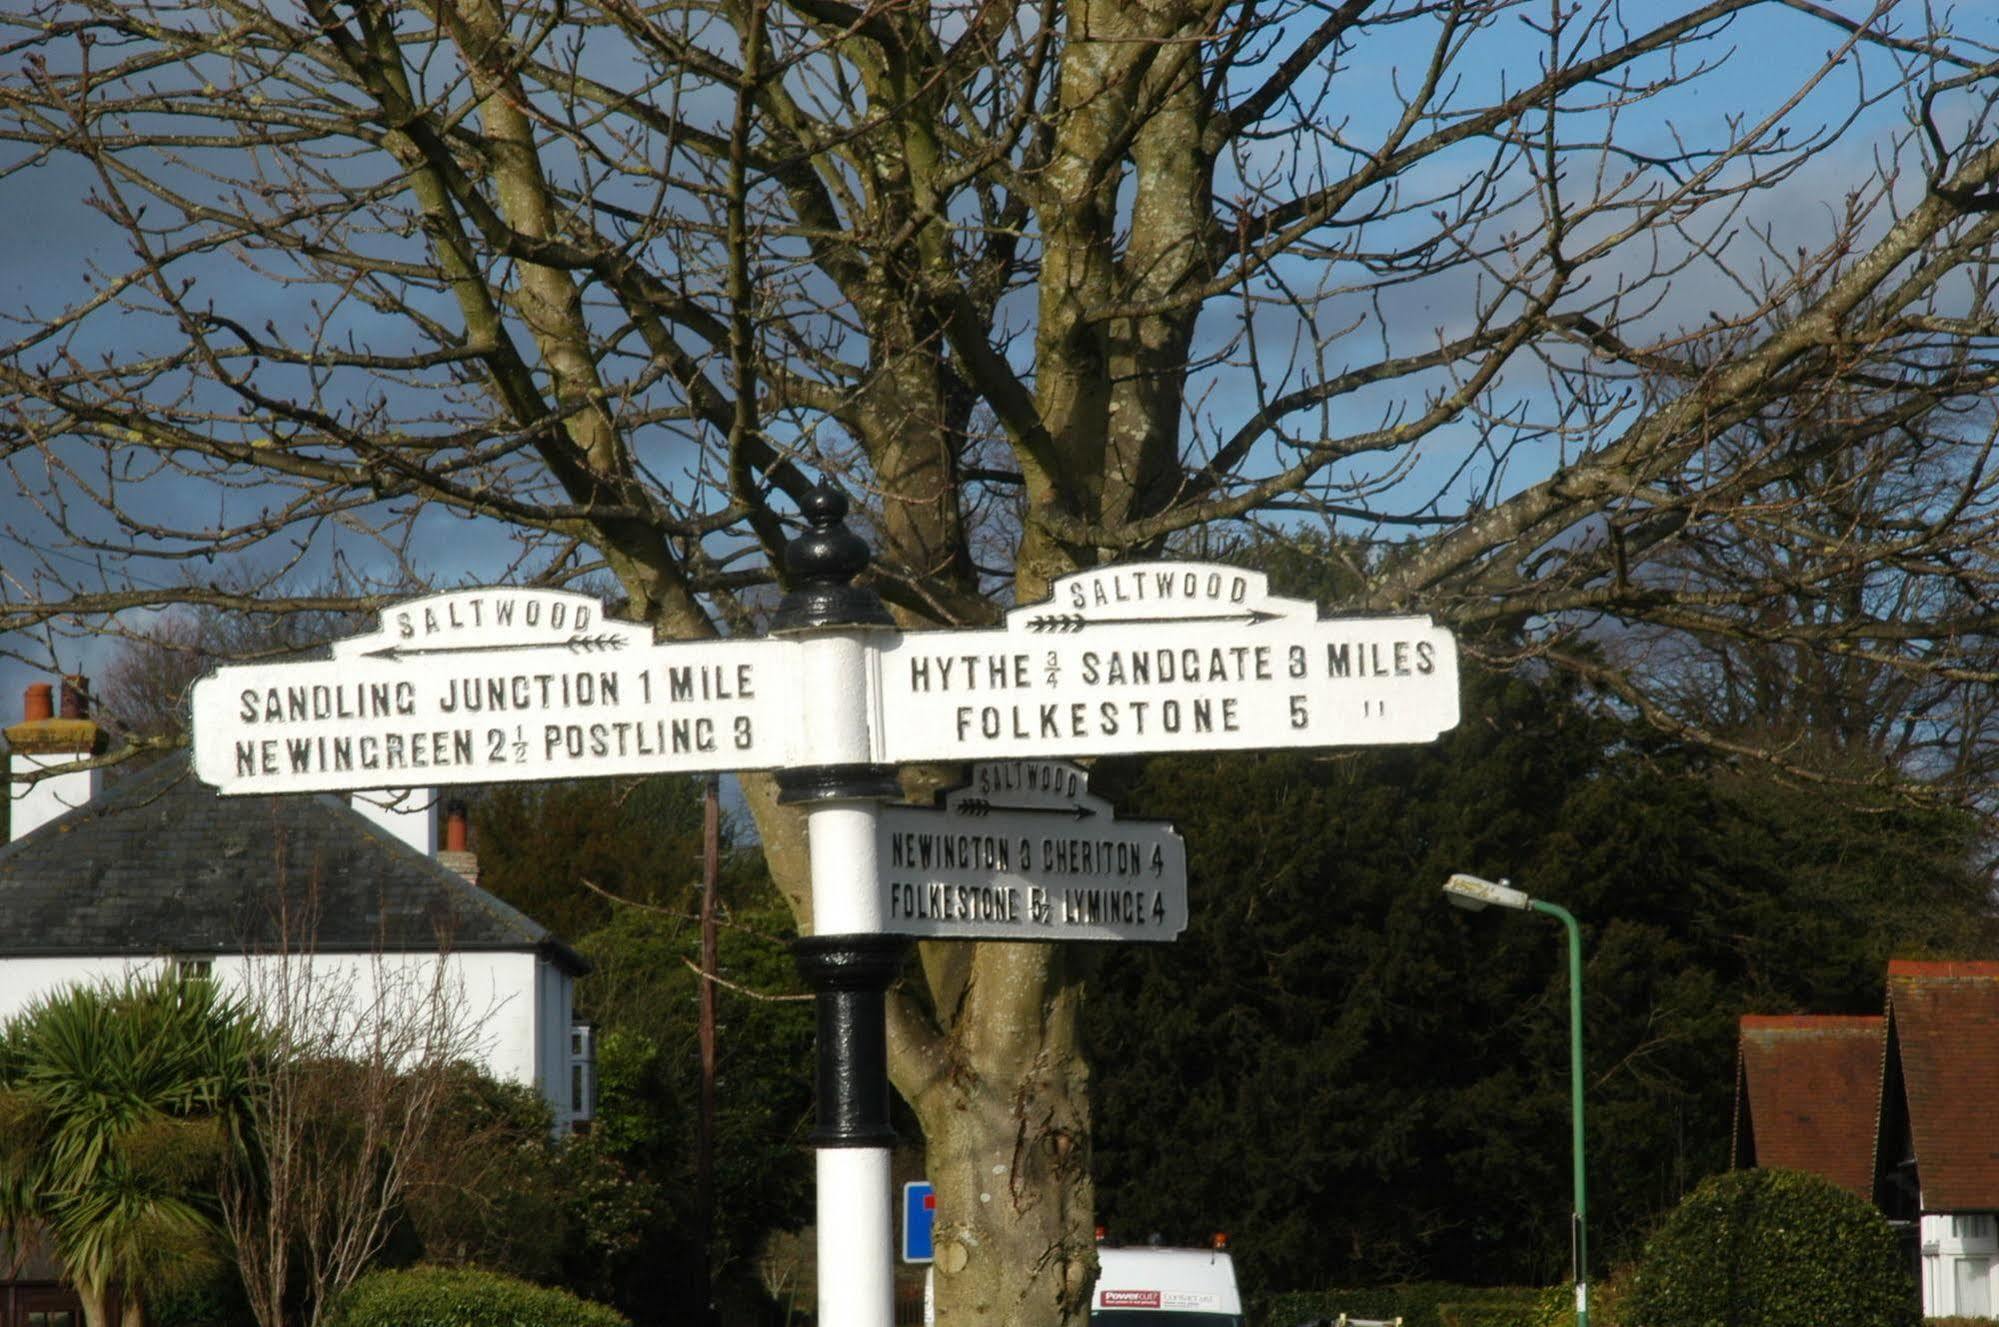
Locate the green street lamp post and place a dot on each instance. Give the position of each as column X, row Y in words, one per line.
column 1468, row 891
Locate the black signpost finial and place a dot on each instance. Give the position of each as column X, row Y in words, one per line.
column 820, row 566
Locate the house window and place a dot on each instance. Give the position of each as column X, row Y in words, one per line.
column 192, row 969
column 57, row 1318
column 1974, row 1287
column 1975, row 1227
column 582, row 1071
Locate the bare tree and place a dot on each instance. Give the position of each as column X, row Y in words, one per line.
column 358, row 1062
column 1785, row 647
column 142, row 688
column 595, row 286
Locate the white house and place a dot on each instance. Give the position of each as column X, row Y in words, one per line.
column 285, row 898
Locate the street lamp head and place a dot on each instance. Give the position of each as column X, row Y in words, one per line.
column 1473, row 894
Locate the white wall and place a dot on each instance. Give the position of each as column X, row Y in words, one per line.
column 506, row 1011
column 23, row 979
column 36, row 804
column 1960, row 1252
column 413, row 815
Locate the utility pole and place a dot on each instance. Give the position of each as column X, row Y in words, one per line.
column 711, row 871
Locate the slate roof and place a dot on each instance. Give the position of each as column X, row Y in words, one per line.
column 1808, row 1095
column 1946, row 1028
column 159, row 863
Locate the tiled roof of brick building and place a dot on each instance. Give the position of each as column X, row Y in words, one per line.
column 1811, row 1084
column 160, row 863
column 1946, row 1025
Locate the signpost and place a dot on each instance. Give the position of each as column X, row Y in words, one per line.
column 1023, row 851
column 480, row 686
column 486, row 686
column 1165, row 656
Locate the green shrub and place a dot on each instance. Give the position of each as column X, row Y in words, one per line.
column 213, row 1300
column 463, row 1297
column 1608, row 1301
column 1417, row 1303
column 1772, row 1248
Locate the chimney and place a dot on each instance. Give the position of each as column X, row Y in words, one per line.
column 408, row 813
column 44, row 742
column 457, row 834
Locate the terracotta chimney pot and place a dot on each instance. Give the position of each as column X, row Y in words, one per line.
column 455, row 828
column 41, row 734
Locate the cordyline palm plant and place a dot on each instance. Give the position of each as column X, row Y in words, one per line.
column 120, row 1104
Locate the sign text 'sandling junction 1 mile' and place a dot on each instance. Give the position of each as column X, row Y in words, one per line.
column 477, row 686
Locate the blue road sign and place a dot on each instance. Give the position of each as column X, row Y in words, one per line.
column 919, row 1215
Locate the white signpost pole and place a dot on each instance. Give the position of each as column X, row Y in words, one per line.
column 847, row 960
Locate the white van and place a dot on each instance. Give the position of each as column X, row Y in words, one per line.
column 1149, row 1286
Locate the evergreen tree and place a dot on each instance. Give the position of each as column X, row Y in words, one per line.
column 640, row 841
column 1363, row 1084
column 543, row 846
column 120, row 1106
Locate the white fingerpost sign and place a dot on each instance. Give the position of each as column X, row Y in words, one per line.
column 1024, row 851
column 1169, row 656
column 494, row 685
column 483, row 686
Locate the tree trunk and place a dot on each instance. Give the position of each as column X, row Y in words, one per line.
column 1000, row 1085
column 96, row 1305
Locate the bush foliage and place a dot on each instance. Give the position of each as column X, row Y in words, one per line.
column 1417, row 1303
column 1772, row 1248
column 463, row 1297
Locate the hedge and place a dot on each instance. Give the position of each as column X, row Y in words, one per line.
column 463, row 1297
column 1417, row 1303
column 1772, row 1248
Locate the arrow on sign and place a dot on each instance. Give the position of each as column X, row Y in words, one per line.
column 1067, row 623
column 574, row 645
column 979, row 806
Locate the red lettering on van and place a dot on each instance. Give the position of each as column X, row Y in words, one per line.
column 1129, row 1299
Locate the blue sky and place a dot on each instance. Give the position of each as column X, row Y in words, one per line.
column 54, row 236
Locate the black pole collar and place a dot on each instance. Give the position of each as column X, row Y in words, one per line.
column 850, row 975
